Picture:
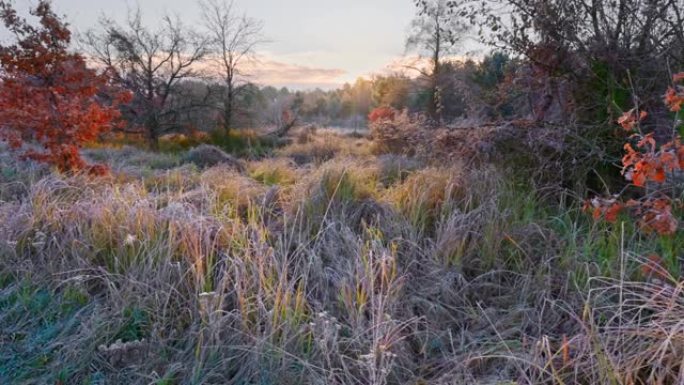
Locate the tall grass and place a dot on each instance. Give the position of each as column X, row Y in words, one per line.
column 362, row 270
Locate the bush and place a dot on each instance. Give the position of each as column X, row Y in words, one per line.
column 382, row 114
column 401, row 135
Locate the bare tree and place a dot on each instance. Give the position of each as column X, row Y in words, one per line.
column 151, row 63
column 435, row 32
column 233, row 42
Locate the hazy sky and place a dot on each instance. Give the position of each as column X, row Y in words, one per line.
column 312, row 42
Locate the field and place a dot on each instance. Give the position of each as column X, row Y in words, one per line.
column 323, row 261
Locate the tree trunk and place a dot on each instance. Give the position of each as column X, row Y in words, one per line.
column 228, row 104
column 434, row 108
column 152, row 126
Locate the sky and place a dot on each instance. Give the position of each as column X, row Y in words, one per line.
column 312, row 43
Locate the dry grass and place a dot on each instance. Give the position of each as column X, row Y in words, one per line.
column 351, row 270
column 325, row 146
column 274, row 171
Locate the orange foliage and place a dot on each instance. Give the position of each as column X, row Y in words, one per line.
column 629, row 120
column 49, row 95
column 608, row 209
column 674, row 97
column 646, row 164
column 381, row 114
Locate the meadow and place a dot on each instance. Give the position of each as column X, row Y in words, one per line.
column 323, row 259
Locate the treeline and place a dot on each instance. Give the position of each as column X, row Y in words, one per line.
column 185, row 79
column 469, row 90
column 575, row 62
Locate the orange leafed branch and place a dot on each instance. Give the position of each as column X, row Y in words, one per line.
column 647, row 163
column 629, row 119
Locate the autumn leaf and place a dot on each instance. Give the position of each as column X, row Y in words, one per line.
column 629, row 119
column 613, row 212
column 647, row 140
column 669, row 160
column 648, row 163
column 639, row 179
column 674, row 100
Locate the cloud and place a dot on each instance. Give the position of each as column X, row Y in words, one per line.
column 274, row 71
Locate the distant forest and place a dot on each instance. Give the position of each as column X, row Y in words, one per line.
column 468, row 90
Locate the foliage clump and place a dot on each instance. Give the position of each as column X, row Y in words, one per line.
column 650, row 166
column 49, row 95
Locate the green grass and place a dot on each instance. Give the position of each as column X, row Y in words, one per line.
column 243, row 143
column 35, row 319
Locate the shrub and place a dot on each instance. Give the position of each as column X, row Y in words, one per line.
column 547, row 154
column 655, row 169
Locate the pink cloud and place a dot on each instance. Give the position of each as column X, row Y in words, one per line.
column 273, row 72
